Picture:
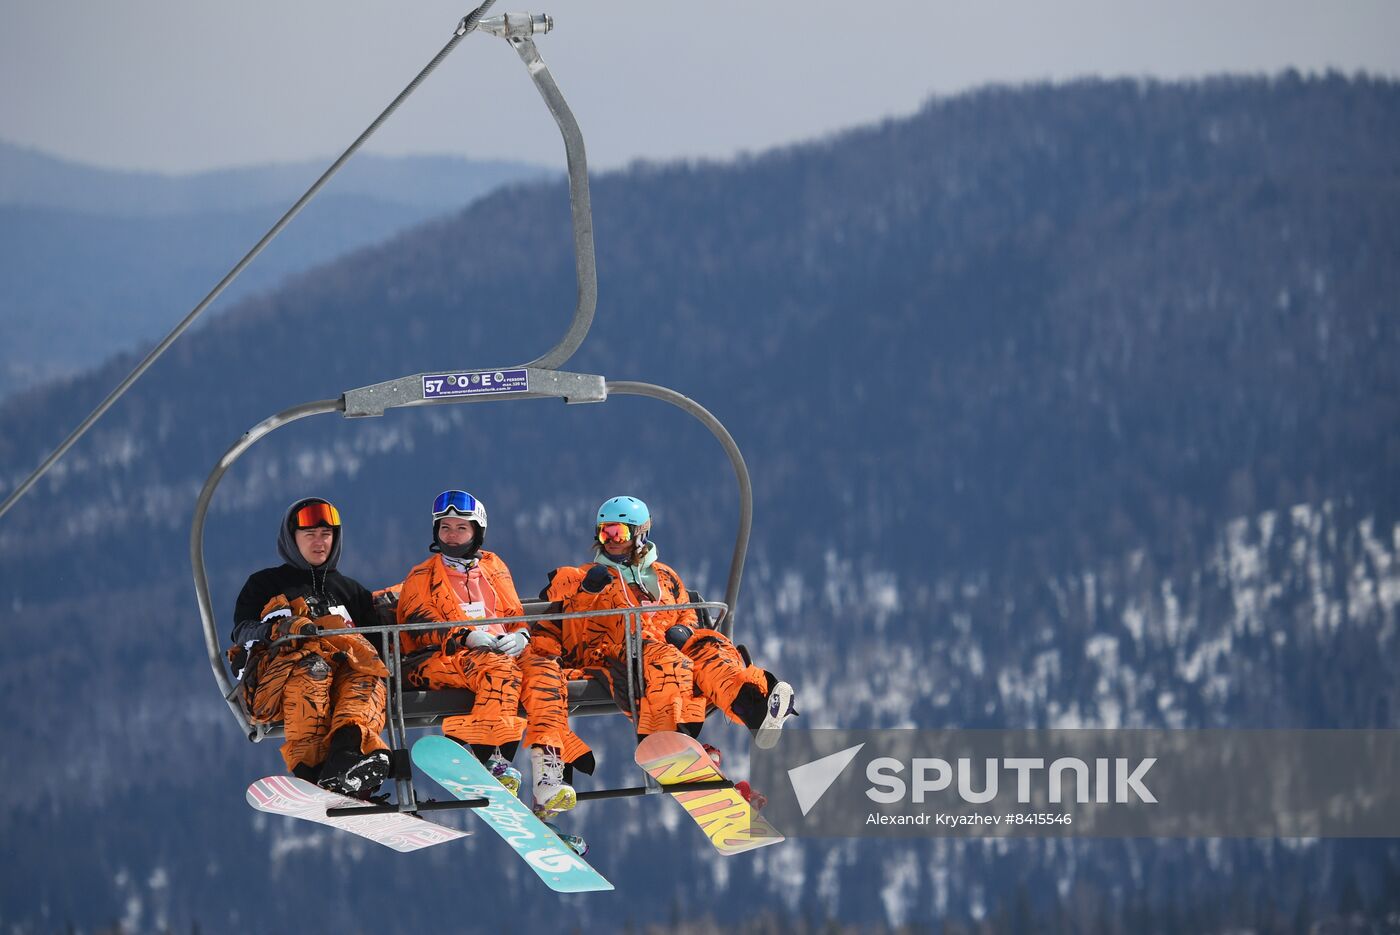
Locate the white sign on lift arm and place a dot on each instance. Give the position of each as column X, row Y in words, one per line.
column 479, row 383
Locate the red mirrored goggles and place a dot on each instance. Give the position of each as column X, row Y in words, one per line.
column 316, row 514
column 614, row 532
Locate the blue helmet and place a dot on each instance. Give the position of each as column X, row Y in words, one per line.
column 459, row 503
column 631, row 513
column 628, row 510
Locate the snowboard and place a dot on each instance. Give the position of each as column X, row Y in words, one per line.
column 460, row 773
column 287, row 795
column 728, row 821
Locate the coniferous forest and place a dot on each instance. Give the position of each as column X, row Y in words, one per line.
column 1065, row 406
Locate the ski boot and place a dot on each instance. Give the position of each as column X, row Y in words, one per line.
column 355, row 774
column 575, row 843
column 552, row 794
column 763, row 712
column 505, row 774
column 780, row 708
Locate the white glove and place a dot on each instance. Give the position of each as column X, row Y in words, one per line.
column 513, row 644
column 480, row 639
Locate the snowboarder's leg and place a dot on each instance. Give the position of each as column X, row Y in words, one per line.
column 746, row 694
column 306, row 718
column 721, row 673
column 351, row 771
column 545, row 697
column 265, row 701
column 435, row 672
column 667, row 695
column 357, row 759
column 358, row 700
column 495, row 681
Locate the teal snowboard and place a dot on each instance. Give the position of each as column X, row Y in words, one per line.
column 456, row 770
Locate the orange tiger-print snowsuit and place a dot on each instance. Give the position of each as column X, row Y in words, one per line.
column 676, row 683
column 502, row 685
column 318, row 685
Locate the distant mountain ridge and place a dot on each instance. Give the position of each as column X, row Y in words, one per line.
column 33, row 178
column 94, row 261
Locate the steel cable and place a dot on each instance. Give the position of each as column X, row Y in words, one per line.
column 467, row 24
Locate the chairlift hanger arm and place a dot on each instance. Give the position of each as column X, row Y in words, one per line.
column 580, row 207
column 741, row 474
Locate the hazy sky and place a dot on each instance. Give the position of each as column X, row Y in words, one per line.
column 182, row 86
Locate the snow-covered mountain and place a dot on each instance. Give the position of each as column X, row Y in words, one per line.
column 1065, row 406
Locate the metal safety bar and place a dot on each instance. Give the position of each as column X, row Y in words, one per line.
column 592, row 795
column 407, row 799
column 398, row 727
column 398, row 732
column 632, row 648
column 653, row 787
column 385, row 808
column 716, row 606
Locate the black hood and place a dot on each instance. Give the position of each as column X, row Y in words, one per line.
column 287, row 543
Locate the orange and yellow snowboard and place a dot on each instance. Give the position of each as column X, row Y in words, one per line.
column 728, row 821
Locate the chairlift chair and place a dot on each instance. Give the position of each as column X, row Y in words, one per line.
column 539, row 379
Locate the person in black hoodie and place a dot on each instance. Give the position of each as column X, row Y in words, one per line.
column 327, row 686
